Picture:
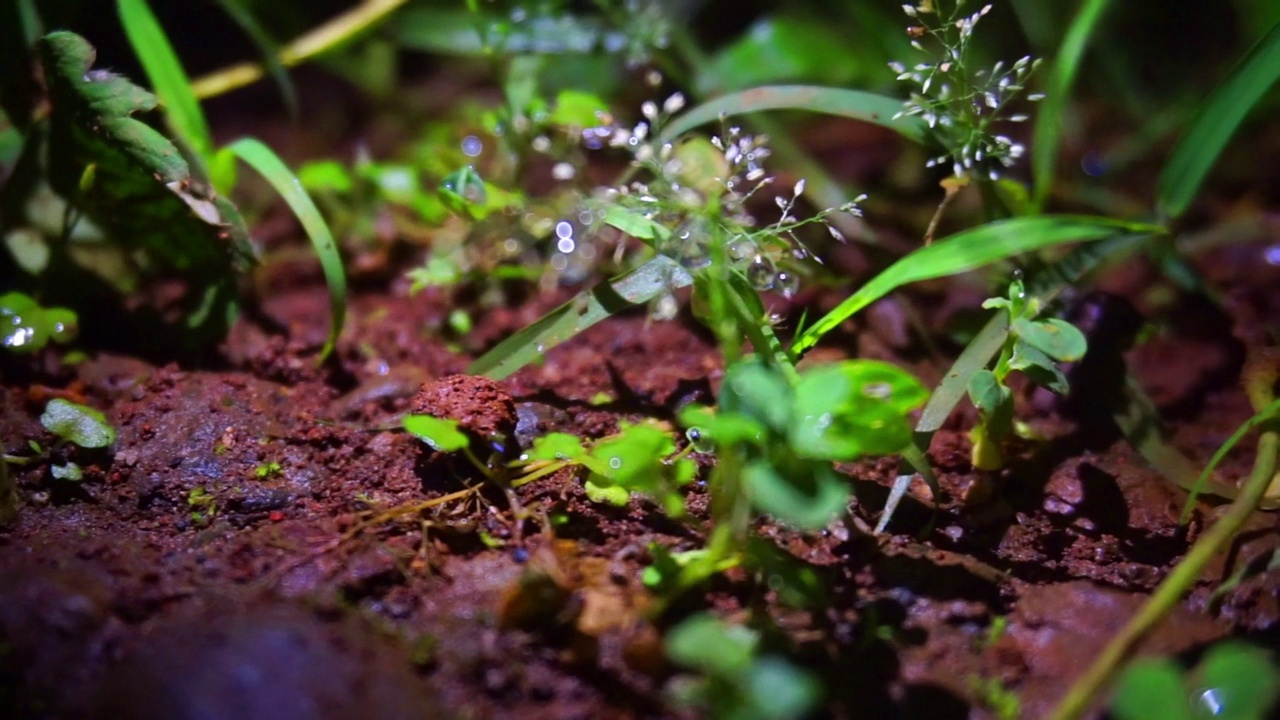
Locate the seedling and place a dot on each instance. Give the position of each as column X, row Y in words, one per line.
column 73, row 424
column 737, row 679
column 1032, row 347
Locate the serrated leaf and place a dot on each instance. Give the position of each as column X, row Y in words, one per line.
column 1056, row 338
column 441, row 434
column 143, row 193
column 76, row 423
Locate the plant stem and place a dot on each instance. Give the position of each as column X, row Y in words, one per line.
column 320, row 39
column 1183, row 576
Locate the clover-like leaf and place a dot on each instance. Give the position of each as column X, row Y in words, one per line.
column 78, row 424
column 752, row 389
column 441, row 434
column 67, row 471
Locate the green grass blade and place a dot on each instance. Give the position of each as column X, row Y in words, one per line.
column 1202, row 480
column 588, row 308
column 168, row 79
column 1048, row 130
column 265, row 161
column 856, row 104
column 1217, row 122
column 966, row 251
column 267, row 48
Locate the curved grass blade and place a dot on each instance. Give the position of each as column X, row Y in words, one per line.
column 333, row 34
column 586, row 309
column 1199, row 149
column 270, row 166
column 168, row 79
column 267, row 48
column 855, row 104
column 1269, row 412
column 1048, row 130
column 966, row 251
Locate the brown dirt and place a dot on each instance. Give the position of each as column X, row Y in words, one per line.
column 223, row 550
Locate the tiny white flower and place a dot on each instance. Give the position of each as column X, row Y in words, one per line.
column 799, row 188
column 649, row 109
column 673, row 104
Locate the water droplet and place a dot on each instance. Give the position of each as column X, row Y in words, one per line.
column 541, row 348
column 878, row 390
column 1272, row 254
column 1212, row 701
column 615, row 463
column 472, row 146
column 741, row 250
column 664, row 308
column 786, row 283
column 760, row 274
column 699, row 440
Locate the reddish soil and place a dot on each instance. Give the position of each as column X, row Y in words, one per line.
column 286, row 587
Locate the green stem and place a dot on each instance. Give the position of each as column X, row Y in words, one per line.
column 1183, row 576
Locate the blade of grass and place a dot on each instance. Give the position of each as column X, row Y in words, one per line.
column 1169, row 593
column 966, row 251
column 267, row 48
column 168, row 79
column 330, row 35
column 270, row 166
column 1226, row 108
column 1268, row 413
column 855, row 104
column 586, row 309
column 1048, row 130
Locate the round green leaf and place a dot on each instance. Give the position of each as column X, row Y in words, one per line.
column 1056, row 338
column 441, row 435
column 69, row 471
column 1151, row 689
column 808, row 496
column 848, row 409
column 77, row 424
column 605, row 492
column 1235, row 681
column 752, row 389
column 779, row 690
column 555, row 446
column 716, row 648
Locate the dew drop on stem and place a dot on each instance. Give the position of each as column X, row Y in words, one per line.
column 760, row 274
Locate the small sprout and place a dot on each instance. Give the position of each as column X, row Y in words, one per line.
column 77, row 424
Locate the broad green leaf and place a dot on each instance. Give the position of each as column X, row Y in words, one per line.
column 712, row 646
column 555, row 446
column 807, row 496
column 854, row 104
column 270, row 166
column 1221, row 115
column 634, row 224
column 1056, row 338
column 577, row 109
column 1151, row 688
column 1038, row 366
column 635, row 459
column 638, row 286
column 779, row 49
column 167, row 76
column 78, row 424
column 442, row 435
column 966, row 251
column 779, row 690
column 987, row 394
column 1050, row 115
column 759, row 392
column 853, row 408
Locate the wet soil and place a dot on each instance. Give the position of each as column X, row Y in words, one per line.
column 244, row 551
